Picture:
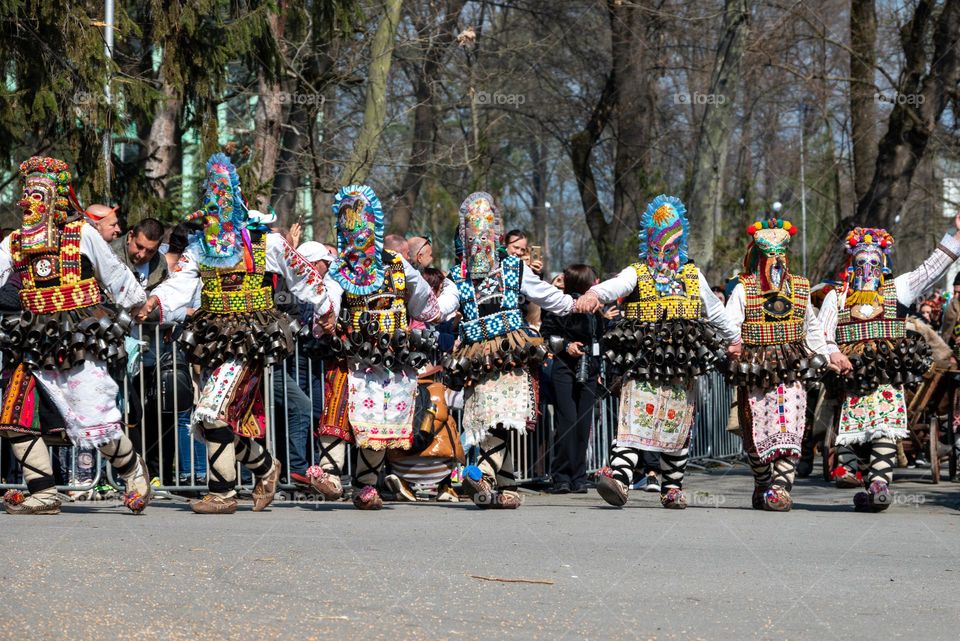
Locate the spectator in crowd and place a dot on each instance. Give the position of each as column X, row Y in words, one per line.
column 421, row 252
column 176, row 243
column 574, row 378
column 721, row 293
column 926, row 312
column 515, row 244
column 398, row 244
column 951, row 313
column 106, row 221
column 139, row 250
column 290, row 234
column 293, row 407
column 557, row 281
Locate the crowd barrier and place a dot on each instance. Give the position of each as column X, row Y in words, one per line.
column 157, row 411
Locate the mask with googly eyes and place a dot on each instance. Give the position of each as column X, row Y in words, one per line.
column 867, row 270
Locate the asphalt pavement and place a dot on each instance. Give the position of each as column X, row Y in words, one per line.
column 561, row 567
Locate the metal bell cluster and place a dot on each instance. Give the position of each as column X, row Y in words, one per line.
column 663, row 352
column 477, row 362
column 767, row 366
column 65, row 339
column 875, row 363
column 371, row 347
column 263, row 337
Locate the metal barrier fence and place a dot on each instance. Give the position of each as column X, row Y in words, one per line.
column 157, row 416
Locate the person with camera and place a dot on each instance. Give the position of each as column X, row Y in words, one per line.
column 574, row 378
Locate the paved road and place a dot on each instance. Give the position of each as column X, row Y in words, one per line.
column 719, row 570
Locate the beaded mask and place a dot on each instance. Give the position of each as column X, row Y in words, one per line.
column 47, row 201
column 663, row 242
column 359, row 268
column 767, row 253
column 481, row 232
column 224, row 212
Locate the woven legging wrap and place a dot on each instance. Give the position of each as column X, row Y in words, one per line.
column 780, row 473
column 224, row 450
column 495, row 461
column 625, row 461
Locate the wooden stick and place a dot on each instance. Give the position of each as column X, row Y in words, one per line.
column 504, row 580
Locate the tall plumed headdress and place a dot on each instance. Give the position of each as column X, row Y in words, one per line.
column 224, row 212
column 359, row 268
column 47, row 201
column 481, row 234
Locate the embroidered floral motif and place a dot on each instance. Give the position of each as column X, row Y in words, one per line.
column 653, row 417
column 882, row 413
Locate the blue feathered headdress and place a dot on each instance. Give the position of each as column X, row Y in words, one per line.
column 664, row 217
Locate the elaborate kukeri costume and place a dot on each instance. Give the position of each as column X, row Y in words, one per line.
column 783, row 348
column 499, row 353
column 237, row 331
column 674, row 328
column 61, row 344
column 864, row 319
column 370, row 396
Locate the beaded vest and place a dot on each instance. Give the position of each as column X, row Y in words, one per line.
column 509, row 318
column 234, row 290
column 387, row 307
column 774, row 319
column 883, row 326
column 52, row 279
column 645, row 304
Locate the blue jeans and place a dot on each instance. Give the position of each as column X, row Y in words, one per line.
column 183, row 444
column 296, row 415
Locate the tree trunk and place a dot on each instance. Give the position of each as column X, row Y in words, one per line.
column 163, row 141
column 705, row 199
column 626, row 102
column 424, row 138
column 923, row 95
column 863, row 106
column 268, row 121
column 375, row 108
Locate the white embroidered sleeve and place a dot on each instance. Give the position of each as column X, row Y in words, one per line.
column 715, row 313
column 912, row 285
column 6, row 261
column 828, row 318
column 616, row 287
column 548, row 297
column 114, row 276
column 177, row 293
column 301, row 277
column 735, row 306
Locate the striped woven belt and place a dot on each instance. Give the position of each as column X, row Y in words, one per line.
column 870, row 330
column 61, row 298
column 772, row 333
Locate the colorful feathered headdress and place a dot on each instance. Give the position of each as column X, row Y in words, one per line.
column 663, row 222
